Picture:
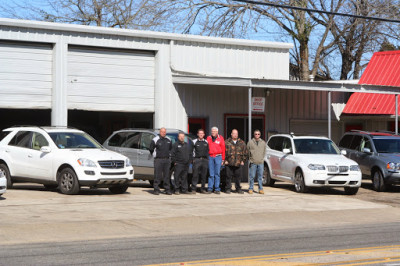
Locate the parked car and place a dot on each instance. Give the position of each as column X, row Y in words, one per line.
column 377, row 153
column 61, row 157
column 3, row 183
column 135, row 144
column 307, row 161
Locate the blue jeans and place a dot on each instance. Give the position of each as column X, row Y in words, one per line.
column 214, row 166
column 259, row 170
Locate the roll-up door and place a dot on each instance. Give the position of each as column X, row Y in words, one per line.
column 25, row 75
column 110, row 80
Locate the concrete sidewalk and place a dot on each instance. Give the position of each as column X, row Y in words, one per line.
column 31, row 214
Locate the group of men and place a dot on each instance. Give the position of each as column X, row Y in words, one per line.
column 206, row 155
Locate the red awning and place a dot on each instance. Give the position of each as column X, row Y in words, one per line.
column 383, row 69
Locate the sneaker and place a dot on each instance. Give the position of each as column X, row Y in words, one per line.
column 228, row 191
column 156, row 192
column 176, row 193
column 217, row 192
column 168, row 192
column 261, row 192
column 250, row 191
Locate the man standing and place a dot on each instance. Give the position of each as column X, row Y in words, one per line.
column 257, row 149
column 236, row 154
column 160, row 148
column 181, row 155
column 200, row 161
column 216, row 145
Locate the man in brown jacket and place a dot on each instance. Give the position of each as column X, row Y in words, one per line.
column 235, row 156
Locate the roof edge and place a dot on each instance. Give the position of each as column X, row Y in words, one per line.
column 140, row 33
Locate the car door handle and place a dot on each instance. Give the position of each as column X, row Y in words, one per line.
column 30, row 155
column 140, row 153
column 7, row 150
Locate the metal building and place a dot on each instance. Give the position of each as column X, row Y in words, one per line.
column 102, row 79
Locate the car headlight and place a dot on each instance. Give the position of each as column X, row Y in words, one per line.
column 128, row 163
column 393, row 166
column 354, row 168
column 86, row 162
column 316, row 167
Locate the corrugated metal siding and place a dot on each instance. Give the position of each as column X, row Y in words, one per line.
column 25, row 75
column 228, row 60
column 110, row 80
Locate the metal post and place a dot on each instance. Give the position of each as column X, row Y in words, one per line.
column 396, row 122
column 249, row 130
column 329, row 115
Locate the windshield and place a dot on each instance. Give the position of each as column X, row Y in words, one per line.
column 74, row 140
column 174, row 137
column 315, row 146
column 387, row 145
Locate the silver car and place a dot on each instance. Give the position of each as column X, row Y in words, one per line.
column 377, row 153
column 135, row 144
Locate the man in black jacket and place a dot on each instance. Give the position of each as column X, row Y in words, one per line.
column 200, row 162
column 160, row 148
column 181, row 155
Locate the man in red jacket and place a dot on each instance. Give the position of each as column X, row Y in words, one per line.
column 216, row 145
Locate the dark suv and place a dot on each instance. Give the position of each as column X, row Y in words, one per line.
column 377, row 153
column 135, row 144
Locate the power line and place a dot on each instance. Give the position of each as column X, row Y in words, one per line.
column 317, row 11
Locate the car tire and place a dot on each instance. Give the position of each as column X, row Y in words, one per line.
column 350, row 190
column 6, row 172
column 50, row 186
column 118, row 189
column 267, row 179
column 68, row 182
column 378, row 183
column 299, row 184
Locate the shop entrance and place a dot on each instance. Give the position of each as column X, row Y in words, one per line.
column 195, row 124
column 241, row 123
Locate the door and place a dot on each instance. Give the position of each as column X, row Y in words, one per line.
column 363, row 158
column 286, row 160
column 145, row 159
column 19, row 150
column 241, row 123
column 354, row 148
column 274, row 153
column 40, row 163
column 130, row 147
column 196, row 124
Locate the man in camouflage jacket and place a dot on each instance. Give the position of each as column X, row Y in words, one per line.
column 235, row 157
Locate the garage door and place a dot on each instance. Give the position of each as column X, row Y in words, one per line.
column 110, row 80
column 25, row 75
column 315, row 128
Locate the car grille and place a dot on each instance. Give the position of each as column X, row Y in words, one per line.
column 335, row 169
column 112, row 164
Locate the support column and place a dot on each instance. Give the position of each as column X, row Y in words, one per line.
column 59, row 107
column 249, row 131
column 329, row 115
column 396, row 121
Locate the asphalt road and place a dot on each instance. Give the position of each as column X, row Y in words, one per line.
column 177, row 249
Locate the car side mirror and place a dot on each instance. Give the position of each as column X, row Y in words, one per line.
column 286, row 151
column 366, row 150
column 343, row 152
column 45, row 149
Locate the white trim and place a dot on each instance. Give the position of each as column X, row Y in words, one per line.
column 139, row 33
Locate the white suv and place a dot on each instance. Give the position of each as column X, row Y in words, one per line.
column 309, row 162
column 61, row 157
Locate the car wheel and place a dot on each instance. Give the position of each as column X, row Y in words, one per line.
column 50, row 186
column 377, row 181
column 6, row 173
column 267, row 180
column 350, row 190
column 299, row 182
column 118, row 189
column 68, row 182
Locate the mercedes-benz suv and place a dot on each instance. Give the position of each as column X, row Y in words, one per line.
column 61, row 157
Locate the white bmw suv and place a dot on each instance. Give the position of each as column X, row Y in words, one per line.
column 61, row 157
column 309, row 162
